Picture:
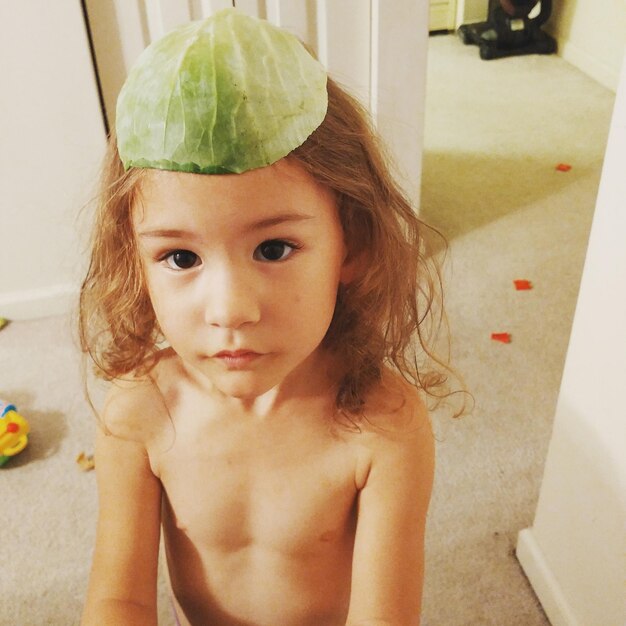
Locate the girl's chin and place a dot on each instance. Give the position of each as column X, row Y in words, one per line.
column 243, row 385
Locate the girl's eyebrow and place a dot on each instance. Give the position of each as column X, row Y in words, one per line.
column 168, row 233
column 172, row 233
column 278, row 219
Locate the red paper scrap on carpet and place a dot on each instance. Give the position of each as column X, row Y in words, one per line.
column 522, row 285
column 503, row 337
column 563, row 167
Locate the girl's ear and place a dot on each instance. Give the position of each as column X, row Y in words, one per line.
column 351, row 268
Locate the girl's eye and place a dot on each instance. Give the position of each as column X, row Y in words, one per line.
column 274, row 250
column 181, row 259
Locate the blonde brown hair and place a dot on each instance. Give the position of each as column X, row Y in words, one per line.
column 387, row 316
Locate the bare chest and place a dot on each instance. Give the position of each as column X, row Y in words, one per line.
column 287, row 491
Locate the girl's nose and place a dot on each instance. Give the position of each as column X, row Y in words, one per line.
column 231, row 300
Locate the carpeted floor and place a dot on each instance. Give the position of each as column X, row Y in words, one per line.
column 494, row 133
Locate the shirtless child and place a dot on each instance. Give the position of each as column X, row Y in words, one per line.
column 258, row 328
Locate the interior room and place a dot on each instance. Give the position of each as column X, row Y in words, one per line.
column 495, row 136
column 516, row 161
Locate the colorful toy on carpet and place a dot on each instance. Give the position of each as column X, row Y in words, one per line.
column 14, row 431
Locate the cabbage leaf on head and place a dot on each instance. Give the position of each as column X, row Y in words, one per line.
column 223, row 95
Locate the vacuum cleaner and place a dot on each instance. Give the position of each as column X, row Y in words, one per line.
column 513, row 27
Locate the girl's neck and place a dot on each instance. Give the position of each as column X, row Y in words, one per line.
column 314, row 381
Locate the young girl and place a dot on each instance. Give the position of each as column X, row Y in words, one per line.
column 265, row 332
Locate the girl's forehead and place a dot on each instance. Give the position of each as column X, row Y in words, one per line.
column 282, row 186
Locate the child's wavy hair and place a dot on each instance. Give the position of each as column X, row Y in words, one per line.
column 388, row 315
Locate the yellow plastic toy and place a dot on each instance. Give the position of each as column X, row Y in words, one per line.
column 14, row 431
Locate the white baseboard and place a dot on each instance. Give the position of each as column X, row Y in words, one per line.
column 590, row 64
column 36, row 303
column 542, row 580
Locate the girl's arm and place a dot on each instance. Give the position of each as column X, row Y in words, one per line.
column 123, row 581
column 388, row 562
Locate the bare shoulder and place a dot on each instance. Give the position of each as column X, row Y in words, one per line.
column 135, row 408
column 396, row 432
column 396, row 405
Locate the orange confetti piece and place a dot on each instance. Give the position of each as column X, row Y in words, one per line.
column 563, row 167
column 502, row 337
column 522, row 285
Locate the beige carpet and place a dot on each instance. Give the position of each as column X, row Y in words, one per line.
column 494, row 133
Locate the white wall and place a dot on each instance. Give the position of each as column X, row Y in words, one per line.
column 575, row 552
column 398, row 84
column 592, row 36
column 52, row 140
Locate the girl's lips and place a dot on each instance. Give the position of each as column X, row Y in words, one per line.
column 237, row 359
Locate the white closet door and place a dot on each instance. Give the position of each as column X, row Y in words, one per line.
column 375, row 48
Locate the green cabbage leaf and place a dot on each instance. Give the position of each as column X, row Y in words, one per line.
column 223, row 95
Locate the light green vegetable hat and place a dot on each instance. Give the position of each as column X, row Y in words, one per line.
column 223, row 95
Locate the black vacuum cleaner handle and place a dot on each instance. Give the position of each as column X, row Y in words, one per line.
column 522, row 8
column 544, row 14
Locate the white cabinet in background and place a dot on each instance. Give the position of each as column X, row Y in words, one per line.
column 442, row 15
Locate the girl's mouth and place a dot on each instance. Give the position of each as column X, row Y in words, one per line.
column 236, row 359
